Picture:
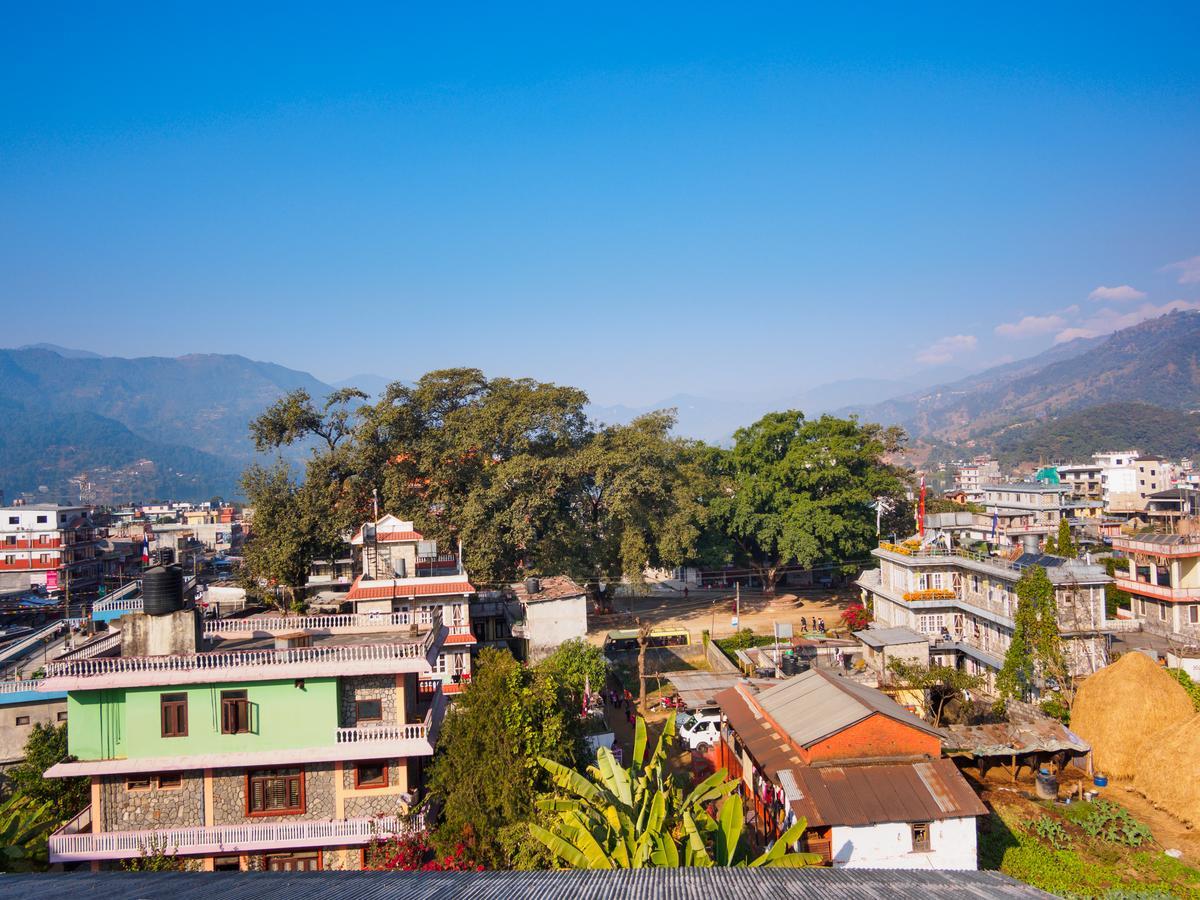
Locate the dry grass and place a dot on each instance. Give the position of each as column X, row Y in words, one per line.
column 1121, row 707
column 1169, row 773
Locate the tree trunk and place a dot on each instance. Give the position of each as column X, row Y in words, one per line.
column 643, row 640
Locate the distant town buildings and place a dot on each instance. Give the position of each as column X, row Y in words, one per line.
column 44, row 546
column 971, row 477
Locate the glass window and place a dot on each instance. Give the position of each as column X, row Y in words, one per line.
column 370, row 710
column 22, row 720
column 170, row 780
column 370, row 774
column 137, row 783
column 274, row 791
column 174, row 715
column 235, row 712
column 920, row 837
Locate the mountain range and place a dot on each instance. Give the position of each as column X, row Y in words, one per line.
column 155, row 427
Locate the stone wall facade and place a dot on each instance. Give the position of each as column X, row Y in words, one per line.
column 368, row 687
column 229, row 796
column 153, row 807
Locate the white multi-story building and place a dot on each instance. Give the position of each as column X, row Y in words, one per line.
column 966, row 604
column 46, row 546
column 1162, row 577
column 971, row 478
column 1029, row 509
column 1118, row 479
column 405, row 573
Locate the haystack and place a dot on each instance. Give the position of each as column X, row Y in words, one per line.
column 1167, row 776
column 1121, row 706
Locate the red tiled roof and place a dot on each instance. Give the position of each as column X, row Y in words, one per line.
column 449, row 689
column 387, row 591
column 389, row 537
column 459, row 639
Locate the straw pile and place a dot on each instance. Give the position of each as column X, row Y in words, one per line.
column 1120, row 707
column 1167, row 776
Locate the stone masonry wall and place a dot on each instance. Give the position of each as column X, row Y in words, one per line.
column 126, row 810
column 229, row 796
column 368, row 687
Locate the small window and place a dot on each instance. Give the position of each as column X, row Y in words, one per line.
column 1162, row 611
column 14, row 520
column 22, row 720
column 235, row 712
column 920, row 837
column 227, row 864
column 1194, row 614
column 370, row 775
column 137, row 784
column 42, row 520
column 174, row 715
column 368, row 710
column 170, row 780
column 274, row 791
column 62, row 715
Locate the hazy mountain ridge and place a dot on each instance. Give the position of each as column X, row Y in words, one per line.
column 1156, row 362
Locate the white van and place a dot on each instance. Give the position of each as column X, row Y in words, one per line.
column 701, row 732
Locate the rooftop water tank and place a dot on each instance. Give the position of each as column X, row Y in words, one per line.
column 162, row 590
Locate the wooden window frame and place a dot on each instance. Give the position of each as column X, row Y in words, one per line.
column 235, row 712
column 163, row 704
column 922, row 845
column 359, row 784
column 291, row 811
column 359, row 717
column 266, row 859
column 137, row 785
column 170, row 787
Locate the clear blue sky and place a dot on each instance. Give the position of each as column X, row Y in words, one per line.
column 638, row 200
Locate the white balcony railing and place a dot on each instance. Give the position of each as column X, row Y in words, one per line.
column 412, row 732
column 94, row 647
column 238, row 659
column 1162, row 591
column 284, row 624
column 199, row 840
column 20, row 685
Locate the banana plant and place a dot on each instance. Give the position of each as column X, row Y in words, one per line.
column 24, row 829
column 640, row 818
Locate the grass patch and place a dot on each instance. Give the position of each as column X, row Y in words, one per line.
column 1019, row 841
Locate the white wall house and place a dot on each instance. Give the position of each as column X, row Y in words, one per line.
column 945, row 844
column 555, row 611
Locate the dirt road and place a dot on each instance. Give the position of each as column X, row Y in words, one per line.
column 714, row 612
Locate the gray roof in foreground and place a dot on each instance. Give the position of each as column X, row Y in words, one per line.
column 890, row 637
column 643, row 884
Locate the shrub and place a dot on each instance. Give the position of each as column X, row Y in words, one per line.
column 1108, row 821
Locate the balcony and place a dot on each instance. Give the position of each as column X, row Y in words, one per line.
column 1157, row 591
column 351, row 623
column 75, row 843
column 329, row 660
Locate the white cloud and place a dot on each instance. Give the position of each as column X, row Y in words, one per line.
column 1106, row 321
column 1120, row 293
column 945, row 349
column 1030, row 326
column 1189, row 270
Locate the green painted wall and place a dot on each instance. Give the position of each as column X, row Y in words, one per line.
column 124, row 723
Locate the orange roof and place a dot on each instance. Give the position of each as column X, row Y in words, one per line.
column 388, row 590
column 459, row 639
column 453, row 688
column 389, row 537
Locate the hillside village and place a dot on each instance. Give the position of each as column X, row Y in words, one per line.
column 960, row 696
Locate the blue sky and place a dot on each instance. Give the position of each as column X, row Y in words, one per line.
column 733, row 202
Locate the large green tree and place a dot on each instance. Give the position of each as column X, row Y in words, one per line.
column 512, row 468
column 485, row 775
column 1036, row 649
column 800, row 491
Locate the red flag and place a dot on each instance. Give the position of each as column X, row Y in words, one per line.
column 921, row 510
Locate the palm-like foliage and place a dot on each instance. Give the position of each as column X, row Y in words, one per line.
column 24, row 827
column 639, row 818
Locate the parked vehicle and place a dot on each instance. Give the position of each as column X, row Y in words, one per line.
column 702, row 732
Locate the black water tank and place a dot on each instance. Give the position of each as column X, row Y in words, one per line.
column 162, row 590
column 789, row 664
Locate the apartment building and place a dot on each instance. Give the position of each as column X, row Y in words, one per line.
column 1162, row 577
column 1026, row 509
column 1154, row 474
column 44, row 546
column 966, row 603
column 405, row 574
column 971, row 477
column 1085, row 481
column 260, row 743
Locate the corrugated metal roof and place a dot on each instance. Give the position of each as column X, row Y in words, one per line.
column 699, row 689
column 813, row 705
column 889, row 637
column 888, row 792
column 1007, row 738
column 638, row 884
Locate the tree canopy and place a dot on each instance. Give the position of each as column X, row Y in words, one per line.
column 800, row 491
